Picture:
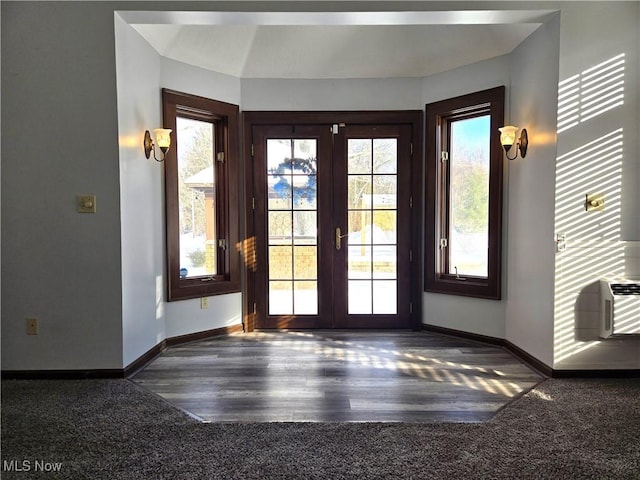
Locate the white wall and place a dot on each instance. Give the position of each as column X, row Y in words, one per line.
column 471, row 78
column 59, row 131
column 597, row 155
column 339, row 94
column 141, row 194
column 531, row 181
column 147, row 317
column 197, row 81
column 480, row 316
column 186, row 316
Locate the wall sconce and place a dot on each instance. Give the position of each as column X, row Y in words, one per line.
column 508, row 138
column 163, row 141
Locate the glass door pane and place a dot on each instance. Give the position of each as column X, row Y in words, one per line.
column 372, row 204
column 292, row 225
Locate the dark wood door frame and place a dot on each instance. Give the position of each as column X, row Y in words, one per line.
column 414, row 118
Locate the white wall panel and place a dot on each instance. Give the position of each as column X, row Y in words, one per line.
column 597, row 153
column 531, row 181
column 327, row 94
column 60, row 139
column 141, row 193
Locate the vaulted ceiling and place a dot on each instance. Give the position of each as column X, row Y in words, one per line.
column 336, row 45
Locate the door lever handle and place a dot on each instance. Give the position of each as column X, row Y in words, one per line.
column 339, row 238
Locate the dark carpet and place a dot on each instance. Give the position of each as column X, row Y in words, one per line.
column 113, row 429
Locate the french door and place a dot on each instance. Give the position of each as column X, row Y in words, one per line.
column 333, row 226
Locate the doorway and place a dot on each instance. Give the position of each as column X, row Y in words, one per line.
column 333, row 220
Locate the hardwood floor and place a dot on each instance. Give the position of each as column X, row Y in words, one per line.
column 338, row 376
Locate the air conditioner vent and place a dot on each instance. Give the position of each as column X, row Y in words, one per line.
column 625, row 288
column 619, row 308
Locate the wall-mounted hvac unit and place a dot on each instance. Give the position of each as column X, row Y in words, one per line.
column 619, row 308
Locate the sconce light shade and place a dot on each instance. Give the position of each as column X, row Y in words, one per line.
column 162, row 140
column 508, row 136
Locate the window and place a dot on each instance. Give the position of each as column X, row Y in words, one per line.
column 201, row 187
column 464, row 195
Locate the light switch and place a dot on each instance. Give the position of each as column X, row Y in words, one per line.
column 86, row 203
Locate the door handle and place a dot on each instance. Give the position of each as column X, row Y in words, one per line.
column 339, row 238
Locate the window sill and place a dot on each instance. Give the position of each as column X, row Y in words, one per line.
column 207, row 289
column 465, row 286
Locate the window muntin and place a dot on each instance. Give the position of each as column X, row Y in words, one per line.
column 201, row 178
column 464, row 195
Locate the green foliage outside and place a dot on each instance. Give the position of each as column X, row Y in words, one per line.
column 198, row 258
column 469, row 192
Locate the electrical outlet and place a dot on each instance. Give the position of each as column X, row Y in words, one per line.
column 204, row 302
column 32, row 326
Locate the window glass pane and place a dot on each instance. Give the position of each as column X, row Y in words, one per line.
column 280, row 228
column 280, row 298
column 469, row 196
column 305, row 149
column 304, row 191
column 196, row 197
column 280, row 262
column 384, row 261
column 305, row 263
column 384, row 297
column 359, row 155
column 360, row 187
column 359, row 261
column 292, row 220
column 385, row 155
column 305, row 298
column 305, row 227
column 385, row 191
column 279, row 155
column 384, row 228
column 359, row 227
column 359, row 296
column 280, row 193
